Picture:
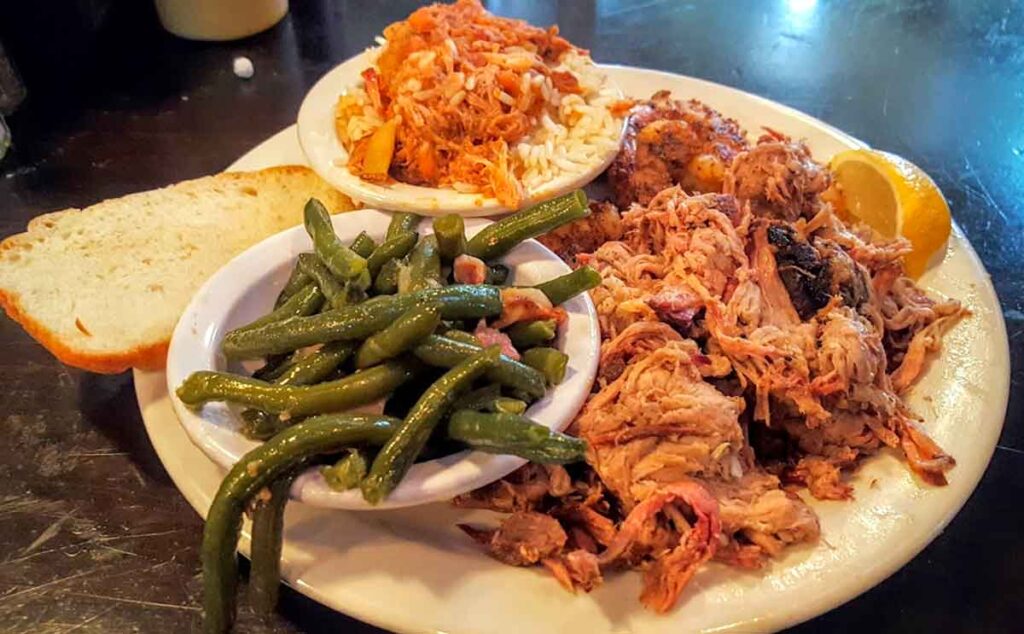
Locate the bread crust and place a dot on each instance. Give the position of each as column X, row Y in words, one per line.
column 152, row 356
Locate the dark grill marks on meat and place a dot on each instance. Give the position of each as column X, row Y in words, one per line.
column 806, row 276
column 671, row 142
column 813, row 275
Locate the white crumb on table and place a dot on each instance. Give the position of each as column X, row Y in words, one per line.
column 243, row 68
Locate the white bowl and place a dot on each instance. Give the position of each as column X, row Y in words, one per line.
column 327, row 156
column 246, row 287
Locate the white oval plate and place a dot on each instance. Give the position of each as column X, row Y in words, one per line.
column 413, row 571
column 245, row 288
column 326, row 155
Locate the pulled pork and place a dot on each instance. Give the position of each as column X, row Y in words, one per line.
column 753, row 344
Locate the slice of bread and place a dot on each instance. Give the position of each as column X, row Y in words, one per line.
column 103, row 287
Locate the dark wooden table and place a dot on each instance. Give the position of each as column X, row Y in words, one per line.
column 93, row 535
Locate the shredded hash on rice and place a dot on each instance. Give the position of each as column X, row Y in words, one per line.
column 482, row 103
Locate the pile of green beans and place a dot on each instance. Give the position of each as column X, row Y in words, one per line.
column 353, row 324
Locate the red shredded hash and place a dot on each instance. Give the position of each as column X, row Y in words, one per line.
column 453, row 76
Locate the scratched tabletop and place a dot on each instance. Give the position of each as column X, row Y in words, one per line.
column 93, row 535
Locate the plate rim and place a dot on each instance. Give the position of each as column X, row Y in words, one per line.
column 829, row 600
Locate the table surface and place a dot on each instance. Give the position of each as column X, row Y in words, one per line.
column 96, row 538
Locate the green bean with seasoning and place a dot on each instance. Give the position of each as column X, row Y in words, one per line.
column 450, row 230
column 497, row 239
column 442, row 352
column 296, row 281
column 256, row 470
column 394, row 248
column 386, row 282
column 333, row 290
column 363, row 244
column 424, row 270
column 479, row 399
column 549, row 361
column 528, row 334
column 265, row 548
column 339, row 259
column 359, row 321
column 506, row 433
column 463, row 336
column 402, row 222
column 357, row 389
column 305, row 302
column 406, row 331
column 398, row 454
column 348, row 471
column 563, row 288
column 307, row 369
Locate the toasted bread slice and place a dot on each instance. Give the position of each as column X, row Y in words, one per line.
column 103, row 287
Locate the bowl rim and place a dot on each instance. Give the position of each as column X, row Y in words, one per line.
column 197, row 335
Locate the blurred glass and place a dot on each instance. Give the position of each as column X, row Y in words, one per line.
column 12, row 93
column 5, row 138
column 219, row 19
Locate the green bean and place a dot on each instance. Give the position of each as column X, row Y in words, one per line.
column 359, row 321
column 424, row 267
column 527, row 334
column 398, row 454
column 315, row 366
column 357, row 389
column 497, row 274
column 406, row 331
column 305, row 302
column 257, row 469
column 341, row 260
column 489, row 399
column 359, row 283
column 497, row 239
column 515, row 435
column 479, row 399
column 265, row 548
column 402, row 222
column 450, row 230
column 505, row 405
column 462, row 336
column 333, row 290
column 560, row 289
column 392, row 249
column 348, row 471
column 307, row 369
column 296, row 280
column 386, row 282
column 363, row 244
column 550, row 362
column 442, row 352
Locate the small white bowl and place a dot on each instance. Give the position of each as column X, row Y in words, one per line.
column 327, row 157
column 245, row 288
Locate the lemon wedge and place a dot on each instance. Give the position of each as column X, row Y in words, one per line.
column 895, row 198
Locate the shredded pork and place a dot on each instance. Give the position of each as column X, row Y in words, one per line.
column 753, row 345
